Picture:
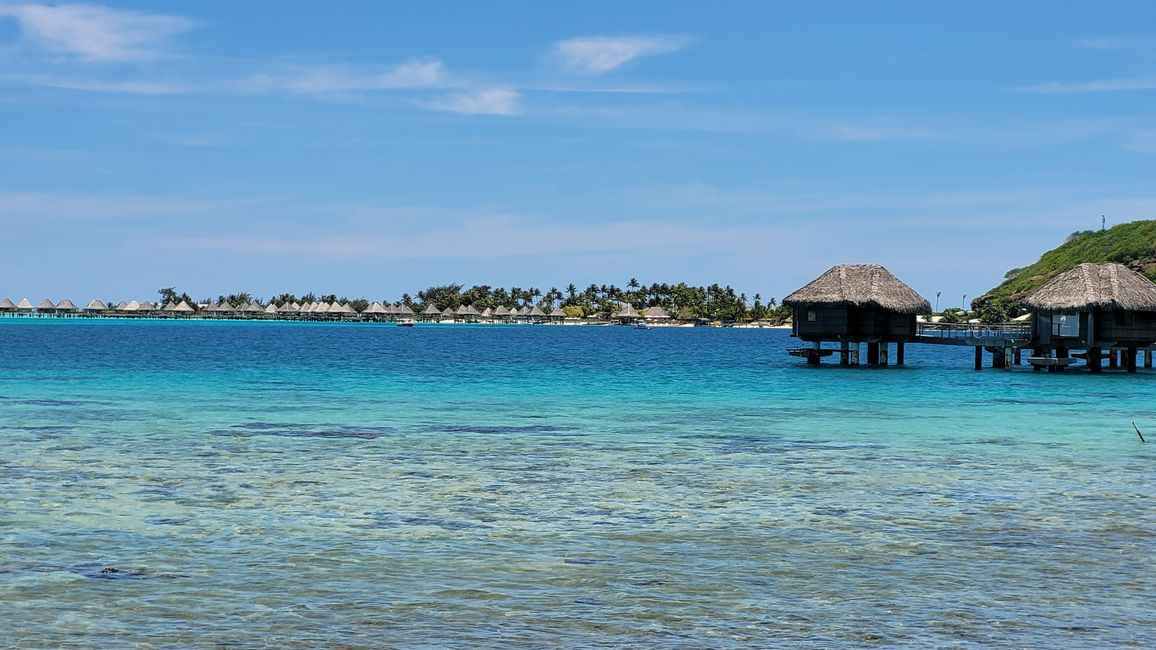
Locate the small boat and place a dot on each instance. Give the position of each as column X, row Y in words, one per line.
column 641, row 326
column 405, row 323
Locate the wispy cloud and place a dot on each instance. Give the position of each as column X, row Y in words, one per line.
column 1095, row 86
column 95, row 33
column 492, row 101
column 416, row 73
column 130, row 87
column 601, row 54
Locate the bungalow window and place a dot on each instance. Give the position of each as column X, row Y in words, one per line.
column 811, row 316
column 1124, row 318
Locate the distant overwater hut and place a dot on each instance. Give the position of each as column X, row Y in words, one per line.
column 467, row 314
column 46, row 307
column 558, row 315
column 431, row 313
column 1097, row 308
column 852, row 304
column 7, row 306
column 536, row 315
column 502, row 313
column 66, row 307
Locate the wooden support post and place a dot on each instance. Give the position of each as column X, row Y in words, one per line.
column 844, row 354
column 1112, row 359
column 1147, row 358
column 872, row 354
column 979, row 357
column 1040, row 352
column 1094, row 360
column 899, row 353
column 1008, row 353
column 997, row 358
column 813, row 357
column 855, row 354
column 883, row 354
column 1019, row 356
column 1129, row 359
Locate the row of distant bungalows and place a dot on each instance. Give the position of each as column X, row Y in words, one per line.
column 316, row 311
column 1090, row 307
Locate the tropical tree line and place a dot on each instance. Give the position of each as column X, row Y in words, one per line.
column 713, row 302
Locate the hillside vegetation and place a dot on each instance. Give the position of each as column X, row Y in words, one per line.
column 1132, row 244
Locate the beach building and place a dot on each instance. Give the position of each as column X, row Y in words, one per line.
column 46, row 306
column 66, row 306
column 852, row 304
column 536, row 314
column 431, row 313
column 25, row 306
column 7, row 306
column 626, row 313
column 557, row 315
column 1097, row 308
column 95, row 306
column 656, row 314
column 501, row 313
column 271, row 309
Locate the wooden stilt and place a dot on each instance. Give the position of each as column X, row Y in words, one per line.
column 979, row 357
column 872, row 354
column 1008, row 353
column 1019, row 356
column 1129, row 359
column 899, row 353
column 844, row 354
column 1094, row 360
column 883, row 354
column 1112, row 363
column 855, row 354
column 1147, row 358
column 813, row 358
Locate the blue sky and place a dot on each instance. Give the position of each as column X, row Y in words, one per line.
column 370, row 148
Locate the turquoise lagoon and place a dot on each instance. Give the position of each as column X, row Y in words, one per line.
column 298, row 485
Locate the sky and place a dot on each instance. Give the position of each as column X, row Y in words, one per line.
column 370, row 148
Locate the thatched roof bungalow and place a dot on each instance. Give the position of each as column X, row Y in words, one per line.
column 1095, row 305
column 7, row 305
column 856, row 302
column 655, row 313
column 25, row 305
column 95, row 305
column 626, row 312
column 46, row 305
column 66, row 305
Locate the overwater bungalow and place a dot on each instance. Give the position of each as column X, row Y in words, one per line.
column 46, row 306
column 431, row 313
column 66, row 306
column 852, row 304
column 184, row 308
column 1097, row 308
column 271, row 309
column 7, row 305
column 536, row 314
column 25, row 306
column 96, row 306
column 131, row 307
column 557, row 315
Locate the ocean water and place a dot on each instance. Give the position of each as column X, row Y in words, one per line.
column 317, row 485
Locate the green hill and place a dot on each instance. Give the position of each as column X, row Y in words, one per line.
column 1132, row 244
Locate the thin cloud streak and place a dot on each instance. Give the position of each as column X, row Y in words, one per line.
column 1096, row 86
column 596, row 55
column 94, row 33
column 492, row 101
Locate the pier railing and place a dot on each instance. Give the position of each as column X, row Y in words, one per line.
column 952, row 332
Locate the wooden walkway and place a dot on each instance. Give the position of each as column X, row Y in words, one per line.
column 1004, row 335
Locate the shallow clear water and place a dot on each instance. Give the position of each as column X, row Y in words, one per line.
column 296, row 485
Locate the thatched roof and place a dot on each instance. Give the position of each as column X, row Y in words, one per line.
column 93, row 305
column 147, row 306
column 536, row 312
column 432, row 310
column 487, row 312
column 501, row 311
column 1095, row 286
column 169, row 306
column 184, row 307
column 558, row 312
column 859, row 285
column 66, row 305
column 375, row 308
column 24, row 304
column 46, row 304
column 7, row 304
column 404, row 310
column 655, row 312
column 270, row 308
column 130, row 306
column 626, row 311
